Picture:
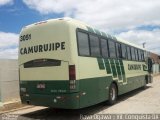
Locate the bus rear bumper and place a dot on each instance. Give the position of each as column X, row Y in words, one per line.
column 65, row 101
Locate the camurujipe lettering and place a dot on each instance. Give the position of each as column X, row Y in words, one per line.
column 43, row 48
column 134, row 67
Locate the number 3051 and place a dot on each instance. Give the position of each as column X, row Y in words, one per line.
column 25, row 37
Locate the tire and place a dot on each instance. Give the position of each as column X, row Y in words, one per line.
column 112, row 94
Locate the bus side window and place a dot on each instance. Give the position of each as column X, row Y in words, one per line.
column 95, row 46
column 118, row 50
column 124, row 52
column 139, row 54
column 142, row 55
column 136, row 54
column 83, row 44
column 112, row 50
column 132, row 53
column 104, row 48
column 128, row 53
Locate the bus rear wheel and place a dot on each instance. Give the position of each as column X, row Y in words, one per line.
column 112, row 94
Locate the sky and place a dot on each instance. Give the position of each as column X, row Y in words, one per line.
column 136, row 21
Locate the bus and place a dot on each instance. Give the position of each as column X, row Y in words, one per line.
column 65, row 63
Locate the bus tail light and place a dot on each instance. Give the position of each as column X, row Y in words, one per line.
column 72, row 76
column 72, row 72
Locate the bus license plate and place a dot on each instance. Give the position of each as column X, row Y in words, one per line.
column 41, row 86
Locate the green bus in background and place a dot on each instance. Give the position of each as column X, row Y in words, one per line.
column 65, row 63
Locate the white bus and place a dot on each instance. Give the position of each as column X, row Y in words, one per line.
column 65, row 63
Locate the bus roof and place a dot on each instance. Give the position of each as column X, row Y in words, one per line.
column 82, row 25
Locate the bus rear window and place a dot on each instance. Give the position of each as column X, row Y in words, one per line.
column 42, row 63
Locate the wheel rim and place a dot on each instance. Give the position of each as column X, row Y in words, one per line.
column 113, row 93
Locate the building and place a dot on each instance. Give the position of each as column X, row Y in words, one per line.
column 155, row 63
column 9, row 81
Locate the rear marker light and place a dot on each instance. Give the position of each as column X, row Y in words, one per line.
column 72, row 81
column 72, row 86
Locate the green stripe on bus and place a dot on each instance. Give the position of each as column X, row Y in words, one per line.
column 113, row 68
column 97, row 31
column 118, row 69
column 90, row 29
column 122, row 69
column 107, row 64
column 104, row 34
column 100, row 63
column 109, row 36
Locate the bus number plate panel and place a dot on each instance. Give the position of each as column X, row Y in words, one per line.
column 41, row 86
